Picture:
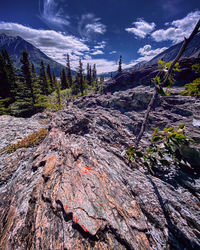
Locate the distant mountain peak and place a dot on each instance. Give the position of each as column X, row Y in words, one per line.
column 16, row 44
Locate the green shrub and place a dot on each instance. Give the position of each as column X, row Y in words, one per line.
column 165, row 148
column 192, row 89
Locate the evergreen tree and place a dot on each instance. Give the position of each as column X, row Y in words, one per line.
column 40, row 100
column 54, row 81
column 49, row 73
column 69, row 73
column 5, row 90
column 50, row 77
column 63, row 80
column 90, row 73
column 25, row 98
column 11, row 75
column 94, row 73
column 43, row 80
column 89, row 77
column 120, row 65
column 26, row 74
column 80, row 77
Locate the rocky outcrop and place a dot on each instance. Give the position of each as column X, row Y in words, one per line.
column 143, row 76
column 77, row 189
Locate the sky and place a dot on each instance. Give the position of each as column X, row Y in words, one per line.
column 99, row 31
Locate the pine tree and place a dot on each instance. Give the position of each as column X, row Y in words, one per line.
column 50, row 77
column 89, row 74
column 63, row 80
column 40, row 100
column 43, row 80
column 25, row 99
column 54, row 81
column 120, row 65
column 5, row 91
column 11, row 75
column 94, row 74
column 80, row 77
column 69, row 73
column 26, row 73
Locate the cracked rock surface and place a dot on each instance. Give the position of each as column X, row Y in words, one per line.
column 77, row 190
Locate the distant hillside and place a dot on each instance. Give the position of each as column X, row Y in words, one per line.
column 15, row 45
column 192, row 50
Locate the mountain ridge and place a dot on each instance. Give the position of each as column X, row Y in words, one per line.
column 16, row 44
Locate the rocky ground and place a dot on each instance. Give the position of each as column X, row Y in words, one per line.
column 77, row 190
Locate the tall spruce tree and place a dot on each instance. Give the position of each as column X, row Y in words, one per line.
column 40, row 99
column 5, row 90
column 43, row 80
column 63, row 80
column 69, row 72
column 120, row 64
column 50, row 76
column 11, row 75
column 94, row 74
column 26, row 73
column 25, row 98
column 54, row 81
column 80, row 77
column 89, row 74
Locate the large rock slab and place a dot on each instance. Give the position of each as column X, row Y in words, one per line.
column 77, row 189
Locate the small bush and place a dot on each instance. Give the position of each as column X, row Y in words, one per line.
column 192, row 89
column 31, row 141
column 165, row 149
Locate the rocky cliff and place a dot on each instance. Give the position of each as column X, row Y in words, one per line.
column 143, row 76
column 77, row 189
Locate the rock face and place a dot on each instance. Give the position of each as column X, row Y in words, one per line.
column 77, row 190
column 142, row 76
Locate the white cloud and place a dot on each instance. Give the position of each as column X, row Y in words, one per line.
column 90, row 25
column 53, row 44
column 97, row 52
column 103, row 65
column 142, row 28
column 148, row 51
column 179, row 29
column 112, row 52
column 51, row 12
column 96, row 27
column 100, row 45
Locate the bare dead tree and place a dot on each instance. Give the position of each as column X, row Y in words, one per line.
column 155, row 93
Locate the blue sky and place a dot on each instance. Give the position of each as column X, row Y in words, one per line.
column 100, row 31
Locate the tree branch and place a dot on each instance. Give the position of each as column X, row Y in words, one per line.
column 155, row 93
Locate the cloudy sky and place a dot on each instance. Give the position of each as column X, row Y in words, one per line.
column 99, row 31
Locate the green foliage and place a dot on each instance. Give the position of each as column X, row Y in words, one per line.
column 120, row 64
column 163, row 69
column 196, row 67
column 45, row 84
column 31, row 141
column 192, row 89
column 63, row 80
column 69, row 73
column 165, row 148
